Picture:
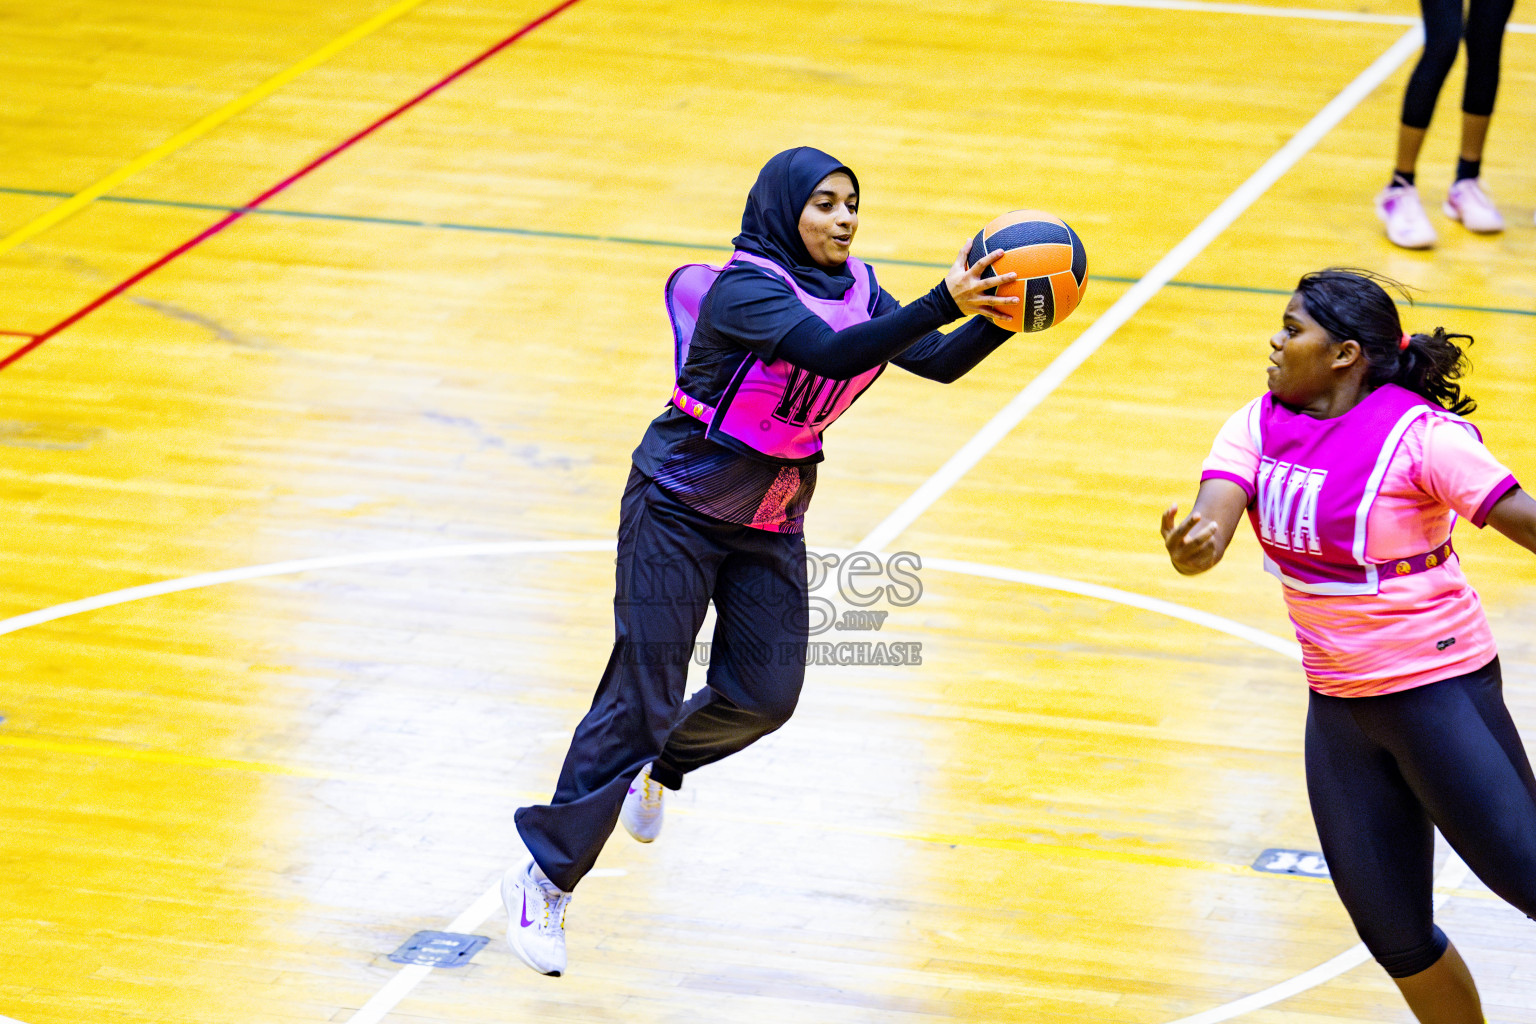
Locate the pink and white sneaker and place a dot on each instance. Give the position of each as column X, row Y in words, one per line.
column 1468, row 203
column 1399, row 208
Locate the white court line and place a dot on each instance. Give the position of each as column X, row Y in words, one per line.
column 407, row 978
column 1141, row 293
column 1452, row 875
column 251, row 572
column 1261, row 11
column 1259, row 638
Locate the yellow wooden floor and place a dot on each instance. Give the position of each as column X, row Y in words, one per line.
column 230, row 804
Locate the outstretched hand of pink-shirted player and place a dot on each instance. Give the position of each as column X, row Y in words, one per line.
column 1198, row 542
column 1191, row 544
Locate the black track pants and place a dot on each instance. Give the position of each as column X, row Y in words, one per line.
column 1383, row 772
column 671, row 562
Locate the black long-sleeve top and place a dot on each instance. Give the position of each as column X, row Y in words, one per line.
column 753, row 309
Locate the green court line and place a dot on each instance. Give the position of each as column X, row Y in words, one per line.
column 204, row 125
column 494, row 229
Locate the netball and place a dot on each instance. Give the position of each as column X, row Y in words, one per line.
column 1048, row 257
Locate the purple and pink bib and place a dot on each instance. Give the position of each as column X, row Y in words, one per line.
column 775, row 408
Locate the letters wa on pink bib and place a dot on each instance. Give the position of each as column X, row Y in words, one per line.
column 1354, row 515
column 1317, row 482
column 774, row 408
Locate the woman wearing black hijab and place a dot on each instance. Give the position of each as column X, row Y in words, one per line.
column 771, row 350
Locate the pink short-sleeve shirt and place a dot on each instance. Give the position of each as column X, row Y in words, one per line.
column 1364, row 645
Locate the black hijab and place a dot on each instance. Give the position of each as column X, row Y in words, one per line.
column 770, row 225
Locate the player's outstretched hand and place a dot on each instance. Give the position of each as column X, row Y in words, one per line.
column 969, row 288
column 1192, row 544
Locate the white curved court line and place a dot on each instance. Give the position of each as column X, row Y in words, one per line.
column 1452, row 875
column 1257, row 637
column 971, row 453
column 931, row 490
column 251, row 572
column 1140, row 293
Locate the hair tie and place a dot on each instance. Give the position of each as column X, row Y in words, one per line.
column 1402, row 343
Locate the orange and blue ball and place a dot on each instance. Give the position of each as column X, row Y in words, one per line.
column 1047, row 256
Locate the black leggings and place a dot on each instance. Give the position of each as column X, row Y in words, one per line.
column 1442, row 37
column 1383, row 772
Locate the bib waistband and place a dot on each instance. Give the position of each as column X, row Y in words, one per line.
column 700, row 411
column 1418, row 563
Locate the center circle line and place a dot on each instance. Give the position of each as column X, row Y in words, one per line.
column 1451, row 876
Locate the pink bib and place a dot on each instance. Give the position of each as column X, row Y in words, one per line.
column 1317, row 481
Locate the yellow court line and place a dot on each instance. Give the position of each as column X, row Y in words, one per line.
column 186, row 136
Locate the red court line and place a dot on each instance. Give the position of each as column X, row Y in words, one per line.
column 209, row 232
column 19, row 334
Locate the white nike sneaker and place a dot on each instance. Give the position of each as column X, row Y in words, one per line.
column 535, row 918
column 642, row 811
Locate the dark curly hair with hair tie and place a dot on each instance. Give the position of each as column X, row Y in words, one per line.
column 1350, row 303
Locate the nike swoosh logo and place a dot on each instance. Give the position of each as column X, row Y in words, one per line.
column 526, row 923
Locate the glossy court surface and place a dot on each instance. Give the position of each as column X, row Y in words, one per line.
column 434, row 350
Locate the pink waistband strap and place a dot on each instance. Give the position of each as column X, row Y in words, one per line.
column 692, row 406
column 1418, row 563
